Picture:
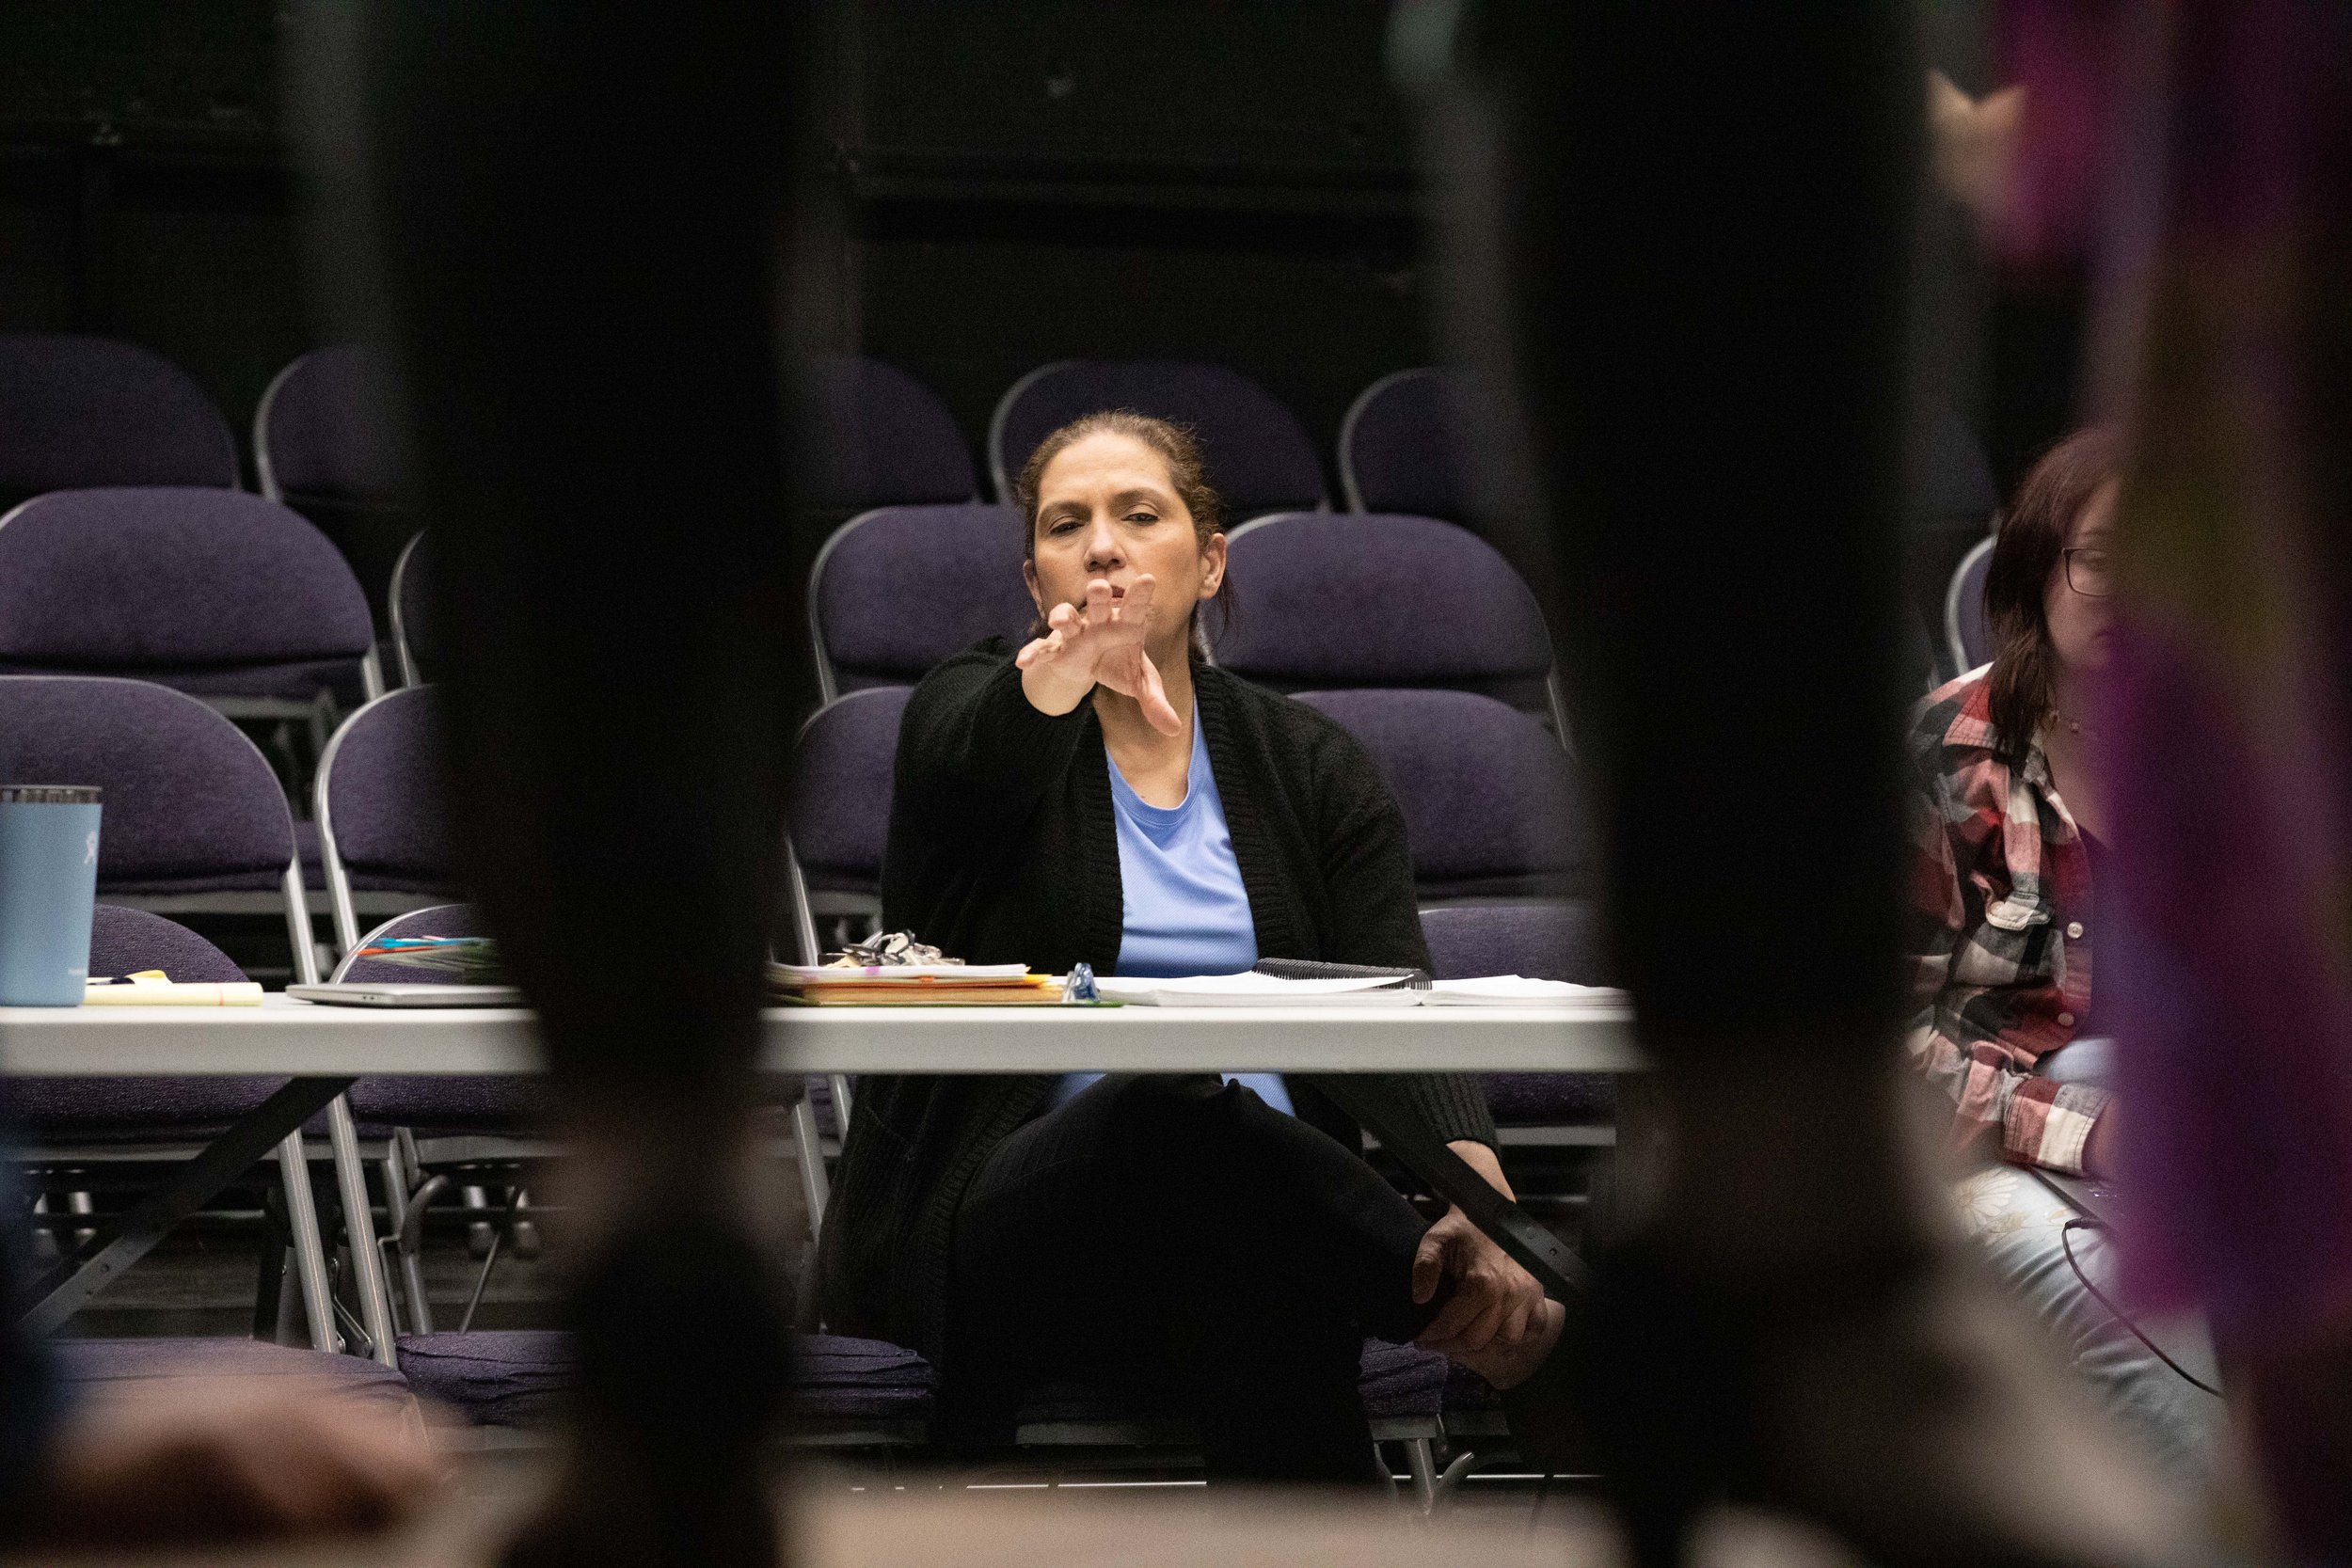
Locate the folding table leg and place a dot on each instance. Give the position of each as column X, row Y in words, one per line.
column 46, row 1302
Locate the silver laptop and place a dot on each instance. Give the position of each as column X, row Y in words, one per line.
column 2089, row 1196
column 403, row 994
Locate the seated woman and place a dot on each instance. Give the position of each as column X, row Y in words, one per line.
column 1103, row 797
column 2010, row 895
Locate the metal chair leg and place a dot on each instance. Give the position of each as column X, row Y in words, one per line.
column 302, row 1226
column 1422, row 1462
column 1450, row 1480
column 815, row 1189
column 411, row 1265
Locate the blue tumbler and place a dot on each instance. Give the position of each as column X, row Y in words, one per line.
column 48, row 889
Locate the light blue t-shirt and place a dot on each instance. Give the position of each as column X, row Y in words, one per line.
column 1186, row 911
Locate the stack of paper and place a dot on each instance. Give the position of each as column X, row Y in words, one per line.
column 913, row 986
column 149, row 987
column 1253, row 989
column 1516, row 990
column 1266, row 990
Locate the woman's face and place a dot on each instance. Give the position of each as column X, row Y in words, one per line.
column 1106, row 509
column 2074, row 601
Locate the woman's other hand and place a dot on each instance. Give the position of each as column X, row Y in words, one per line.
column 2099, row 1149
column 1098, row 643
column 1496, row 1305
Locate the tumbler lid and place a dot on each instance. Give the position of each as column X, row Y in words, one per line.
column 49, row 795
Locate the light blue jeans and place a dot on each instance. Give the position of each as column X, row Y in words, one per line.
column 2019, row 1224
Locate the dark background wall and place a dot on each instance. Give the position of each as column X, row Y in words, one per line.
column 1007, row 183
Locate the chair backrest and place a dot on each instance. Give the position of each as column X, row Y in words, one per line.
column 378, row 802
column 411, row 598
column 175, row 583
column 898, row 590
column 189, row 803
column 1963, row 609
column 1326, row 599
column 1492, row 806
column 1545, row 939
column 1258, row 455
column 441, row 920
column 122, row 942
column 328, row 441
column 78, row 411
column 1549, row 939
column 1401, row 450
column 329, row 426
column 1952, row 481
column 838, row 812
column 873, row 436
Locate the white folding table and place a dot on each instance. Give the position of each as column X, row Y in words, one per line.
column 323, row 1048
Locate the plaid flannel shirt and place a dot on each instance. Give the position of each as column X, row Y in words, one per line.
column 2000, row 887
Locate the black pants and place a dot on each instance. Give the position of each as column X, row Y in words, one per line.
column 1181, row 1240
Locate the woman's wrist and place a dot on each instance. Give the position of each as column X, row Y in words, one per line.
column 1485, row 1162
column 1053, row 690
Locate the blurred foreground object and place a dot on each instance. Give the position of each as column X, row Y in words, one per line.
column 572, row 221
column 2230, row 712
column 1679, row 250
column 193, row 1462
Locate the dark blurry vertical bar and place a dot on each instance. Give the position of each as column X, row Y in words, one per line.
column 1677, row 244
column 577, row 214
column 1701, row 234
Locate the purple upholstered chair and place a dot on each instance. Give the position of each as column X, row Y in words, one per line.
column 409, row 605
column 443, row 1131
column 1401, row 1387
column 72, row 1127
column 1325, row 600
column 898, row 590
column 99, row 1370
column 328, row 442
column 77, row 412
column 1965, row 634
column 838, row 813
column 1950, row 480
column 451, row 1104
column 129, row 1110
column 873, row 436
column 837, row 820
column 191, row 808
column 329, row 425
column 1559, row 1112
column 1951, row 502
column 845, row 1392
column 1492, row 806
column 1550, row 940
column 376, row 801
column 1400, row 449
column 1259, row 457
column 215, row 593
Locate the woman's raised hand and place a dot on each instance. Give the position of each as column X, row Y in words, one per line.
column 1101, row 642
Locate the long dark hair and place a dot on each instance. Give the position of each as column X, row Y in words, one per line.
column 2026, row 551
column 1187, row 473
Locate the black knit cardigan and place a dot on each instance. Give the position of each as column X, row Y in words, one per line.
column 1004, row 849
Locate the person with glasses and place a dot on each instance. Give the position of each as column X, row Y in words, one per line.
column 2009, row 896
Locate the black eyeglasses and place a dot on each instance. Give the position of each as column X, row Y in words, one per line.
column 2086, row 573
